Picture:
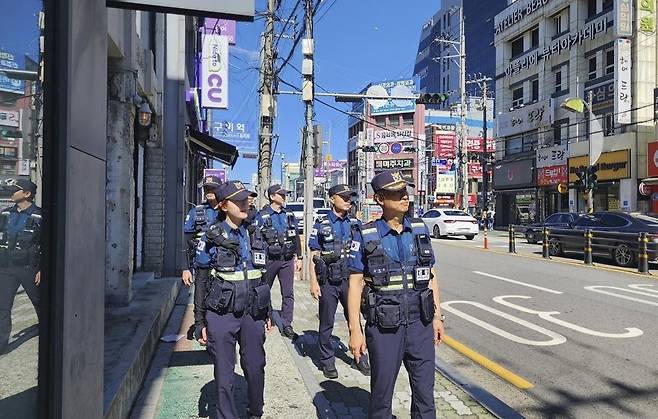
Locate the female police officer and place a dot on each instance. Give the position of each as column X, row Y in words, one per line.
column 400, row 300
column 236, row 301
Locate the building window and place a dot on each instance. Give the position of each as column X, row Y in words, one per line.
column 513, row 146
column 408, row 119
column 591, row 75
column 557, row 24
column 517, row 97
column 558, row 81
column 517, row 47
column 591, row 8
column 535, row 90
column 380, row 120
column 535, row 38
column 608, row 125
column 560, row 132
column 610, row 61
column 394, row 120
column 607, row 5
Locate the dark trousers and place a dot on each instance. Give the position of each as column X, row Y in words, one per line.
column 224, row 330
column 330, row 295
column 10, row 279
column 285, row 270
column 412, row 344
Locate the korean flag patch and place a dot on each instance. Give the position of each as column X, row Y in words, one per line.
column 355, row 246
column 201, row 246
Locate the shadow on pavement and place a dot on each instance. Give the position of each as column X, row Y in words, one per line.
column 307, row 345
column 347, row 401
column 22, row 337
column 186, row 358
column 21, row 405
column 208, row 398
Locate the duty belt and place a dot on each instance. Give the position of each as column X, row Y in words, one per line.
column 237, row 276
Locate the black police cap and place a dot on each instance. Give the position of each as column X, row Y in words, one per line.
column 233, row 190
column 212, row 181
column 277, row 189
column 390, row 180
column 21, row 184
column 341, row 189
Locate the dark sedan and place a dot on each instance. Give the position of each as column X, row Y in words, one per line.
column 607, row 241
column 534, row 232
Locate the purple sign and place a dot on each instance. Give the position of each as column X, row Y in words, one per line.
column 319, row 172
column 220, row 173
column 221, row 27
column 335, row 164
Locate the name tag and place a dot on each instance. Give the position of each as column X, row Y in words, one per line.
column 259, row 258
column 201, row 246
column 422, row 274
column 291, row 233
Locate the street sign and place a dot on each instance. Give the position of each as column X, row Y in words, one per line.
column 383, row 148
column 396, row 148
column 249, row 155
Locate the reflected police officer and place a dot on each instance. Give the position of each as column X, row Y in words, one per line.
column 19, row 251
column 197, row 221
column 234, row 303
column 330, row 242
column 279, row 230
column 394, row 257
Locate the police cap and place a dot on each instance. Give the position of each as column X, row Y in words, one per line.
column 212, row 181
column 233, row 190
column 21, row 184
column 277, row 189
column 341, row 189
column 390, row 180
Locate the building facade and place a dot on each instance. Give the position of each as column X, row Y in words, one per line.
column 439, row 75
column 551, row 50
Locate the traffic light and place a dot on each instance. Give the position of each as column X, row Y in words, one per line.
column 582, row 178
column 592, row 178
column 432, row 98
column 369, row 149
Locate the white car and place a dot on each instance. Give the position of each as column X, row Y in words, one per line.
column 450, row 222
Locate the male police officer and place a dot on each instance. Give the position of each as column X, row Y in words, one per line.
column 401, row 300
column 279, row 230
column 330, row 242
column 19, row 251
column 196, row 223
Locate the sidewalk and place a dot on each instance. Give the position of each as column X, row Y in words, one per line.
column 294, row 386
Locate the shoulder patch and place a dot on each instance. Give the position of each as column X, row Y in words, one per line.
column 201, row 246
column 356, row 245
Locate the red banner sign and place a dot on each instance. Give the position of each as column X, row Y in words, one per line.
column 444, row 145
column 476, row 145
column 552, row 175
column 475, row 170
column 652, row 159
column 472, row 200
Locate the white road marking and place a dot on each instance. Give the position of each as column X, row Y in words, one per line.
column 537, row 287
column 600, row 289
column 631, row 332
column 643, row 287
column 555, row 338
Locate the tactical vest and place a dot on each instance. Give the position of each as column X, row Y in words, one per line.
column 335, row 252
column 280, row 245
column 236, row 286
column 21, row 248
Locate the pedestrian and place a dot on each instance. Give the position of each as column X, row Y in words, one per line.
column 20, row 252
column 279, row 229
column 394, row 257
column 197, row 221
column 329, row 243
column 234, row 301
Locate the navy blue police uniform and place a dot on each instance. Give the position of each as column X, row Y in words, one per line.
column 333, row 237
column 235, row 305
column 197, row 221
column 19, row 255
column 279, row 230
column 398, row 305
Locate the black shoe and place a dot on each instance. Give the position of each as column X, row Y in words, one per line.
column 363, row 365
column 289, row 333
column 330, row 372
column 252, row 416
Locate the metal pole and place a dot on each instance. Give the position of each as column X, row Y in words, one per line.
column 463, row 150
column 544, row 243
column 588, row 247
column 485, row 154
column 590, row 192
column 642, row 257
column 308, row 145
column 267, row 106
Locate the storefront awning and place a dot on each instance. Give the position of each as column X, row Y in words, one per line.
column 213, row 147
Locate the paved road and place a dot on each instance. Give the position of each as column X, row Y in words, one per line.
column 584, row 337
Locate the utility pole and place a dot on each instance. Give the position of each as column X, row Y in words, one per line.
column 267, row 104
column 308, row 97
column 463, row 149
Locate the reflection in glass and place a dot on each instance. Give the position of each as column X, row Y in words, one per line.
column 20, row 213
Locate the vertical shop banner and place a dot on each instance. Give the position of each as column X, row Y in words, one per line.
column 623, row 95
column 652, row 159
column 214, row 72
column 445, row 183
column 624, row 17
column 444, row 145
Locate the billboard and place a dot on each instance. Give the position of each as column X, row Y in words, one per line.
column 7, row 60
column 224, row 27
column 386, row 106
column 234, row 133
column 444, row 145
column 214, row 72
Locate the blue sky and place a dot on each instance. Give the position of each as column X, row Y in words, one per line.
column 356, row 42
column 19, row 32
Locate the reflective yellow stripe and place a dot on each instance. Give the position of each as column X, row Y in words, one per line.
column 417, row 224
column 237, row 275
column 396, row 283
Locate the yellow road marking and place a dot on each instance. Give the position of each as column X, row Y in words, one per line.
column 492, row 366
column 580, row 264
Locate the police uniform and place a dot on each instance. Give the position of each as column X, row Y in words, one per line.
column 19, row 256
column 333, row 237
column 235, row 305
column 197, row 221
column 279, row 230
column 398, row 305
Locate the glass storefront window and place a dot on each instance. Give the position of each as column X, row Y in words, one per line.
column 21, row 96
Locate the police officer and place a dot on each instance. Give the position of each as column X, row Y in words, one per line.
column 196, row 223
column 394, row 257
column 19, row 251
column 235, row 301
column 279, row 229
column 251, row 215
column 330, row 242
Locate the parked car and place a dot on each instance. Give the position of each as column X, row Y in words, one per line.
column 606, row 242
column 534, row 232
column 450, row 222
column 298, row 209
